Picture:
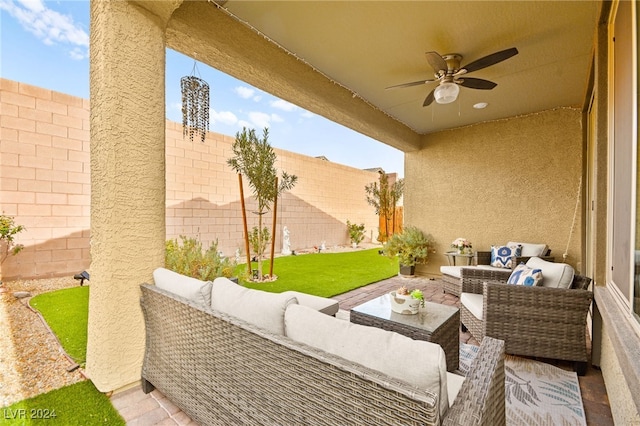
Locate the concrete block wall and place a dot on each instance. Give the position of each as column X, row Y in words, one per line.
column 203, row 196
column 45, row 185
column 44, row 178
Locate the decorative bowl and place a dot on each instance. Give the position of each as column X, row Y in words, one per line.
column 404, row 304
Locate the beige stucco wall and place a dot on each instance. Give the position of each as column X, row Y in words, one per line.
column 623, row 407
column 508, row 180
column 45, row 184
column 127, row 155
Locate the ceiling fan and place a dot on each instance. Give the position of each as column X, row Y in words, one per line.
column 450, row 75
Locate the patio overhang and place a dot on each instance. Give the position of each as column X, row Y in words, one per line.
column 212, row 36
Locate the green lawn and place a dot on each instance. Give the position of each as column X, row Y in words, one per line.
column 325, row 274
column 78, row 404
column 67, row 311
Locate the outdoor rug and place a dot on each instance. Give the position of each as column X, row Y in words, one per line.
column 536, row 393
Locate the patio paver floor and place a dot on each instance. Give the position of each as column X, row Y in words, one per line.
column 154, row 409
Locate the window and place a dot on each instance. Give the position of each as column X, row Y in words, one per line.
column 625, row 244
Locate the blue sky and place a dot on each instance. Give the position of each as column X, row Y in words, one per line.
column 46, row 44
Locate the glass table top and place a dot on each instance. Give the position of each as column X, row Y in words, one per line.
column 430, row 317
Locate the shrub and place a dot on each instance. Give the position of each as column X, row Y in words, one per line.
column 258, row 242
column 356, row 232
column 411, row 246
column 187, row 257
column 8, row 231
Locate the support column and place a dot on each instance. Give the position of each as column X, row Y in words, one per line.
column 127, row 85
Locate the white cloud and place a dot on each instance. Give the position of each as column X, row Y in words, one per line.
column 78, row 54
column 248, row 93
column 260, row 119
column 48, row 25
column 244, row 92
column 283, row 105
column 307, row 114
column 244, row 123
column 34, row 5
column 223, row 117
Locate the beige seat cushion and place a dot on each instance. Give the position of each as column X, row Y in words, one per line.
column 320, row 304
column 530, row 249
column 555, row 275
column 456, row 271
column 190, row 288
column 422, row 364
column 454, row 384
column 474, row 303
column 260, row 308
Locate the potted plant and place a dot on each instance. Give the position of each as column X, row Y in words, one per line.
column 356, row 233
column 411, row 246
column 406, row 302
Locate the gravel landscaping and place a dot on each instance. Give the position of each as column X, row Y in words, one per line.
column 31, row 360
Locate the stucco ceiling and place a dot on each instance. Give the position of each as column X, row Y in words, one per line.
column 367, row 46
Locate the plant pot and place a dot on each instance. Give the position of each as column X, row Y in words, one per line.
column 407, row 271
column 404, row 304
column 354, row 245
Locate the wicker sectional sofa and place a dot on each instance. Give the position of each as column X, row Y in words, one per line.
column 220, row 369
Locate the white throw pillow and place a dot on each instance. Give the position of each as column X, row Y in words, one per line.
column 556, row 275
column 422, row 364
column 187, row 287
column 529, row 249
column 260, row 308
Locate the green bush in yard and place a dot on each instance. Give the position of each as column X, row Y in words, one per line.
column 187, row 257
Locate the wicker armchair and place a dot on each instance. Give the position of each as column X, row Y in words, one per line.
column 533, row 321
column 453, row 284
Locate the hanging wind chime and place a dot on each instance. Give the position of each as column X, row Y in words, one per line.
column 195, row 105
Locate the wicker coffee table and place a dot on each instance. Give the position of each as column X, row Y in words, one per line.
column 434, row 323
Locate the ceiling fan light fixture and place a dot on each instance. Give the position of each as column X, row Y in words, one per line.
column 446, row 93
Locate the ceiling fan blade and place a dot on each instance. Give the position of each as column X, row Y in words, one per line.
column 489, row 60
column 477, row 83
column 413, row 83
column 436, row 61
column 429, row 99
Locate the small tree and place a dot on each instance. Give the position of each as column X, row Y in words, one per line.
column 254, row 158
column 8, row 231
column 384, row 199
